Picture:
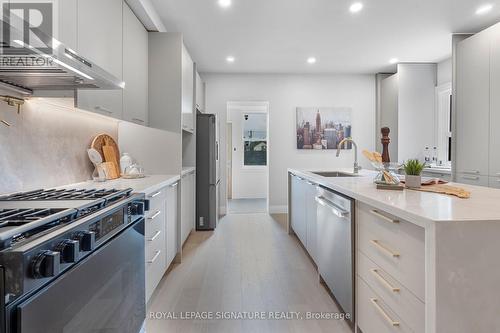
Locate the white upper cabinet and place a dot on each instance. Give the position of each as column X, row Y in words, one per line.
column 495, row 103
column 68, row 19
column 200, row 93
column 187, row 91
column 473, row 105
column 135, row 69
column 100, row 29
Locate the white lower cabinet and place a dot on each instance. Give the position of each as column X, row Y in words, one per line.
column 172, row 225
column 303, row 213
column 160, row 235
column 154, row 233
column 298, row 211
column 374, row 315
column 311, row 216
column 188, row 205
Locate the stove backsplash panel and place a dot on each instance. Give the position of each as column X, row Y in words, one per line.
column 47, row 144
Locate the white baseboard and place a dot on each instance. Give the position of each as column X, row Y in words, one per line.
column 278, row 209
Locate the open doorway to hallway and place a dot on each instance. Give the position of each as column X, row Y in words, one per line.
column 247, row 157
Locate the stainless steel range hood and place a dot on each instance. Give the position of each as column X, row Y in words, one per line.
column 28, row 70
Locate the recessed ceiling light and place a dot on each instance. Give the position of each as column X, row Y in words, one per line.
column 224, row 3
column 311, row 60
column 394, row 61
column 230, row 59
column 484, row 9
column 356, row 7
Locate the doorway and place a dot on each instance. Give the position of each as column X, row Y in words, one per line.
column 247, row 157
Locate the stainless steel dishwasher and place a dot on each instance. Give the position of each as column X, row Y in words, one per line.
column 335, row 232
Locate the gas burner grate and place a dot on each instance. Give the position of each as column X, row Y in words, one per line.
column 14, row 217
column 109, row 195
column 22, row 224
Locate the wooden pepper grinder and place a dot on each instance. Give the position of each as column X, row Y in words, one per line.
column 385, row 144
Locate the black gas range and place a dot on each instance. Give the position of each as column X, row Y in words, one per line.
column 72, row 260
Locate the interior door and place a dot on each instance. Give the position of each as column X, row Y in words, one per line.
column 229, row 163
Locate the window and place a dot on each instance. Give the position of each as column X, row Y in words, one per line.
column 255, row 139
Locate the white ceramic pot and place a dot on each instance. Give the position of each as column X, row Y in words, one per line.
column 413, row 181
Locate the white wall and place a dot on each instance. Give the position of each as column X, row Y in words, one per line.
column 284, row 93
column 248, row 182
column 152, row 148
column 416, row 104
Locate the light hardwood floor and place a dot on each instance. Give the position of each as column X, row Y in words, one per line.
column 249, row 264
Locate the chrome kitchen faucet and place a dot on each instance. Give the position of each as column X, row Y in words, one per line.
column 356, row 165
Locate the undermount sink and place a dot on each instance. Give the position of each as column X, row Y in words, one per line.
column 330, row 174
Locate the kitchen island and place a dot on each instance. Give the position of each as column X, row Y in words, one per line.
column 423, row 262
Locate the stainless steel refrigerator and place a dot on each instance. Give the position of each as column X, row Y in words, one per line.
column 207, row 172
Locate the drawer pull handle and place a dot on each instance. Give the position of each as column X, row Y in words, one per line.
column 471, row 172
column 103, row 109
column 336, row 209
column 137, row 120
column 383, row 217
column 155, row 194
column 384, row 281
column 384, row 249
column 383, row 313
column 470, row 177
column 157, row 254
column 155, row 215
column 155, row 236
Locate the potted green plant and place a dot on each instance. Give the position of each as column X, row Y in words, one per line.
column 413, row 170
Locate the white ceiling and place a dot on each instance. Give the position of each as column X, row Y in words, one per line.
column 277, row 36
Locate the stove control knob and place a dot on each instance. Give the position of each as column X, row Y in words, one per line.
column 46, row 264
column 87, row 240
column 70, row 250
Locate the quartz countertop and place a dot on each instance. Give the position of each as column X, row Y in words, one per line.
column 418, row 207
column 146, row 185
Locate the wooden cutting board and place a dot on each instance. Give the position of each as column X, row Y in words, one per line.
column 445, row 189
column 108, row 148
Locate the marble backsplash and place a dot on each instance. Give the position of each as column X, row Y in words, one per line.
column 47, row 144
